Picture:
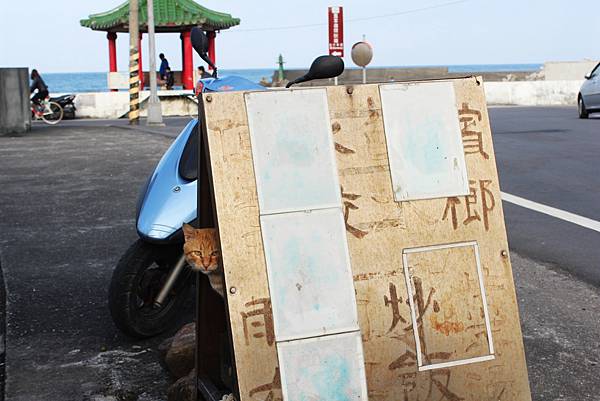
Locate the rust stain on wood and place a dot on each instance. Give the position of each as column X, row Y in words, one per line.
column 343, row 150
column 336, row 127
column 446, row 327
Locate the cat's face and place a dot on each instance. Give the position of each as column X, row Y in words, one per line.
column 201, row 249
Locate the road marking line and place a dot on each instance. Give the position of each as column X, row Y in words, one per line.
column 551, row 211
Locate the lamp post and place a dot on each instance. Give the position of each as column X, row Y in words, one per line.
column 362, row 54
column 154, row 109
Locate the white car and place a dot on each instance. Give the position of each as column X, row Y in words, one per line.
column 588, row 100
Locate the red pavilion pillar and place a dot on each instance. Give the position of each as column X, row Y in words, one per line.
column 188, row 61
column 212, row 35
column 182, row 57
column 112, row 53
column 140, row 69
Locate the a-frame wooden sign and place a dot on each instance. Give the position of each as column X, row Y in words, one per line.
column 363, row 242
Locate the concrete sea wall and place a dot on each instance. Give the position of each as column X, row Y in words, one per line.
column 532, row 93
column 109, row 105
column 568, row 70
column 354, row 75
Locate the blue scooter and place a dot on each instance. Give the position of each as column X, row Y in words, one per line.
column 151, row 281
column 148, row 288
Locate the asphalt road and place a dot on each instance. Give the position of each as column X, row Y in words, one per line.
column 548, row 155
column 66, row 216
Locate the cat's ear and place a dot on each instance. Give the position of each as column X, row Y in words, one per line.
column 188, row 231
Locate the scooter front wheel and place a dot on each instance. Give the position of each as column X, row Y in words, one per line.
column 136, row 282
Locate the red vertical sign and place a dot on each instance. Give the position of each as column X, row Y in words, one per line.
column 336, row 31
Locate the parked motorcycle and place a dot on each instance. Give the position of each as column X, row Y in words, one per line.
column 151, row 281
column 67, row 102
column 167, row 200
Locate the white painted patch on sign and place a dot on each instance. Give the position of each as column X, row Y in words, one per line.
column 306, row 250
column 310, row 279
column 424, row 141
column 324, row 368
column 292, row 150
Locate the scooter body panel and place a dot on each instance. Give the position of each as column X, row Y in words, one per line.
column 169, row 200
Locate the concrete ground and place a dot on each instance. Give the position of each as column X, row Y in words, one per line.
column 67, row 214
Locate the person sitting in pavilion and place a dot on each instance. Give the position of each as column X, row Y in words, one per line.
column 164, row 65
column 202, row 73
column 170, row 80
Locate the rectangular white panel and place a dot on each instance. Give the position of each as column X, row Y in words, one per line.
column 323, row 368
column 424, row 140
column 310, row 279
column 292, row 150
column 463, row 303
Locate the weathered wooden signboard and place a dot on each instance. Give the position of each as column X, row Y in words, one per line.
column 363, row 242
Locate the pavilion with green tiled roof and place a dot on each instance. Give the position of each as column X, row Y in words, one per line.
column 169, row 16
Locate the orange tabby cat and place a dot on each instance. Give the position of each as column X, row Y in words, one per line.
column 202, row 253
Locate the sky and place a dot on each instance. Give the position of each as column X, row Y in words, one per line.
column 46, row 34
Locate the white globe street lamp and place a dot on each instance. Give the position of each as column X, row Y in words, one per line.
column 362, row 54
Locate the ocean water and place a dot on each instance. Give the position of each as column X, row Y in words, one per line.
column 74, row 82
column 78, row 82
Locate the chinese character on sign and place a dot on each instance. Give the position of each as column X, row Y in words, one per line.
column 270, row 388
column 438, row 380
column 261, row 320
column 479, row 195
column 472, row 141
column 394, row 301
column 336, row 31
column 348, row 205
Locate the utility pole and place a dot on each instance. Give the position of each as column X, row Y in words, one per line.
column 154, row 109
column 134, row 56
